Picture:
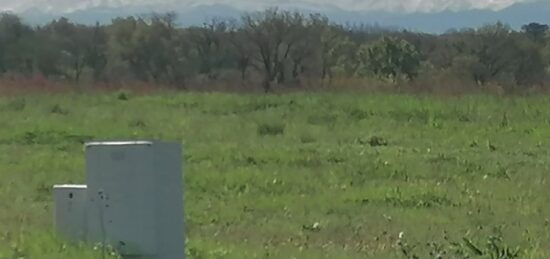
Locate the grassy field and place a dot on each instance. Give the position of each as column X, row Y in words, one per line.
column 300, row 175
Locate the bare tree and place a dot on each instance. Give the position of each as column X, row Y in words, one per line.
column 274, row 34
column 208, row 41
column 240, row 47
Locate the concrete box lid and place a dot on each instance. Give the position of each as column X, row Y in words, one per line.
column 70, row 186
column 118, row 143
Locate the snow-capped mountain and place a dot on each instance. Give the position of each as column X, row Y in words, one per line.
column 515, row 15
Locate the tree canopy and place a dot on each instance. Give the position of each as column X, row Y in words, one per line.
column 268, row 49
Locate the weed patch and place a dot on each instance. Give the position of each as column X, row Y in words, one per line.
column 51, row 137
column 271, row 129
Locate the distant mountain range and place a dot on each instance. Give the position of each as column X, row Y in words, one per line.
column 515, row 15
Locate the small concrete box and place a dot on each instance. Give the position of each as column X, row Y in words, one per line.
column 135, row 198
column 70, row 211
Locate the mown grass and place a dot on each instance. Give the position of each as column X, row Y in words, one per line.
column 300, row 175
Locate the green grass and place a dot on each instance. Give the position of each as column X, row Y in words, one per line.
column 301, row 175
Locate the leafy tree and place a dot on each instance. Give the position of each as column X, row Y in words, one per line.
column 536, row 31
column 96, row 52
column 391, row 57
column 15, row 40
column 345, row 54
column 71, row 42
column 145, row 45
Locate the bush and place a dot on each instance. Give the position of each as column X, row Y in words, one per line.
column 271, row 129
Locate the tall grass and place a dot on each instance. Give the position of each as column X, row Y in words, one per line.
column 325, row 175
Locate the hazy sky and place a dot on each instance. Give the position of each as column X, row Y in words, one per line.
column 391, row 5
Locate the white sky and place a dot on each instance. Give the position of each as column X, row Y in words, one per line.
column 389, row 5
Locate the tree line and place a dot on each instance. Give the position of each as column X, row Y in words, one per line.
column 269, row 49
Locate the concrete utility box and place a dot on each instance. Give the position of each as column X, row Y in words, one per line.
column 70, row 211
column 135, row 199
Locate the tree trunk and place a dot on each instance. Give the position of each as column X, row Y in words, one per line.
column 281, row 76
column 243, row 65
column 77, row 70
column 295, row 68
column 267, row 85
